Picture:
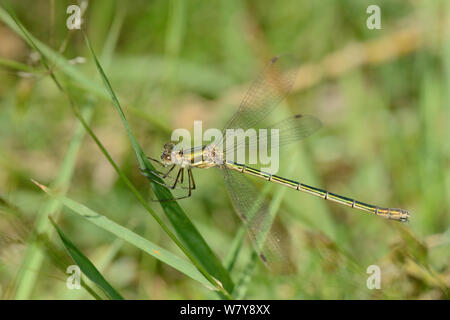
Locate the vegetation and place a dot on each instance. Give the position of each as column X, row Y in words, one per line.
column 81, row 109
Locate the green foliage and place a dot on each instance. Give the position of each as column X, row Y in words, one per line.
column 383, row 97
column 86, row 266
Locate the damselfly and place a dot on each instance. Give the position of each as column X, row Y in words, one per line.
column 266, row 92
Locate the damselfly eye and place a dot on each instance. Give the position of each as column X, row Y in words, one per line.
column 169, row 146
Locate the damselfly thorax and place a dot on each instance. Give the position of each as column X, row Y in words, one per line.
column 264, row 95
column 206, row 156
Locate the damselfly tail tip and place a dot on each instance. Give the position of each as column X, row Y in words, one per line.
column 395, row 214
column 402, row 215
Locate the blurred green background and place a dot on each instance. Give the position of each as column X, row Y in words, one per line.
column 382, row 95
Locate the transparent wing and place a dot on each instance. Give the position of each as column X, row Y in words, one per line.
column 250, row 205
column 265, row 93
column 288, row 131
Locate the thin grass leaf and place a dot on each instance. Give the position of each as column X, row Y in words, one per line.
column 145, row 245
column 184, row 228
column 86, row 265
column 245, row 277
column 129, row 236
column 174, row 38
column 16, row 65
column 235, row 249
column 113, row 35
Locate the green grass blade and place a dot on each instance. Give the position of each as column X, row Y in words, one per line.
column 113, row 35
column 245, row 277
column 86, row 266
column 184, row 228
column 235, row 248
column 129, row 236
column 16, row 65
column 174, row 38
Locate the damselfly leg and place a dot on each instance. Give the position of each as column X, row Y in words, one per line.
column 177, row 184
column 179, row 179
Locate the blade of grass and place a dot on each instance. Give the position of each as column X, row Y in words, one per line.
column 245, row 277
column 235, row 248
column 86, row 265
column 16, row 65
column 129, row 236
column 113, row 34
column 184, row 228
column 174, row 38
column 219, row 281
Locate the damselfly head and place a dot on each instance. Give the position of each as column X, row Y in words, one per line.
column 169, row 146
column 166, row 156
